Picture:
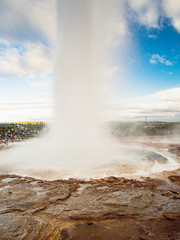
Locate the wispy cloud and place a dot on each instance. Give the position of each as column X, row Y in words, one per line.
column 45, row 94
column 34, row 114
column 152, row 36
column 156, row 58
column 25, row 60
column 26, row 110
column 42, row 83
column 147, row 12
column 28, row 20
column 172, row 94
column 170, row 73
column 15, row 105
column 27, row 35
column 163, row 105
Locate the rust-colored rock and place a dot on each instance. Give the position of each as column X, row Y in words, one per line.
column 175, row 178
column 112, row 208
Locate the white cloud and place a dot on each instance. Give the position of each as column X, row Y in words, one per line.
column 172, row 10
column 10, row 63
column 37, row 58
column 170, row 73
column 27, row 60
column 156, row 58
column 152, row 36
column 152, row 61
column 14, row 105
column 27, row 19
column 26, row 110
column 42, row 83
column 147, row 11
column 26, row 115
column 172, row 94
column 163, row 105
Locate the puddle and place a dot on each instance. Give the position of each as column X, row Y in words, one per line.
column 7, row 180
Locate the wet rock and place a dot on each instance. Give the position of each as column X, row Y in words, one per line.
column 174, row 148
column 111, row 208
column 175, row 178
column 124, row 229
column 59, row 197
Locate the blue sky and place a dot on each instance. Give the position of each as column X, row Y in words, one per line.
column 154, row 60
column 158, row 52
column 146, row 80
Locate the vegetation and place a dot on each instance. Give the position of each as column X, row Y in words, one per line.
column 22, row 130
column 121, row 129
column 25, row 130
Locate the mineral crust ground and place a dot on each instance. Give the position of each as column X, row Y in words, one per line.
column 104, row 209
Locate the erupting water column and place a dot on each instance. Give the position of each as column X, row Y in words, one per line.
column 85, row 32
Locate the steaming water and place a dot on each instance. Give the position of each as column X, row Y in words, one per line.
column 130, row 162
column 88, row 32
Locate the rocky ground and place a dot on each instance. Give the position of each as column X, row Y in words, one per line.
column 105, row 209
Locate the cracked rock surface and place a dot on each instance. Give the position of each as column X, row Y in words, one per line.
column 112, row 208
column 104, row 209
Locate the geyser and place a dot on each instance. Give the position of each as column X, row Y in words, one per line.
column 88, row 33
column 82, row 49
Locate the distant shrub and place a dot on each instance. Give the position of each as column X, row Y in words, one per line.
column 22, row 130
column 122, row 129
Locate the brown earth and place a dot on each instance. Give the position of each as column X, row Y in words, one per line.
column 104, row 209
